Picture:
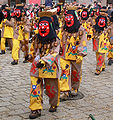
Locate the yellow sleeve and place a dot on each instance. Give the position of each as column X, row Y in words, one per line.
column 31, row 53
column 36, row 31
column 79, row 59
column 43, row 62
column 0, row 25
column 60, row 37
column 4, row 20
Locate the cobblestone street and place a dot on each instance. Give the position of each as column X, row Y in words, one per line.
column 15, row 89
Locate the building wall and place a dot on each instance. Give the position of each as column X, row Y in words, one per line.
column 85, row 2
column 91, row 1
column 79, row 1
column 3, row 1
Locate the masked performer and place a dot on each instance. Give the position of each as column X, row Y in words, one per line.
column 100, row 41
column 73, row 50
column 21, row 30
column 110, row 54
column 7, row 30
column 44, row 54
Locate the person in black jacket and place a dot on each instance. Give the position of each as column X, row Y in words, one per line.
column 48, row 3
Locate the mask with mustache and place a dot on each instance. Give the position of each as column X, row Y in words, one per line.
column 101, row 23
column 85, row 14
column 46, row 30
column 72, row 23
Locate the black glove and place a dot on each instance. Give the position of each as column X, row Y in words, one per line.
column 27, row 57
column 88, row 36
column 39, row 65
column 21, row 27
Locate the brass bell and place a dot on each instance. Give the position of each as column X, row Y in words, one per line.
column 48, row 46
column 26, row 47
column 45, row 46
column 66, row 33
column 69, row 34
column 57, row 32
column 109, row 30
column 23, row 48
column 26, row 41
column 52, row 52
column 36, row 45
column 74, row 35
column 23, row 42
column 40, row 45
column 80, row 32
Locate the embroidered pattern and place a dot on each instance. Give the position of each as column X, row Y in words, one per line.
column 35, row 90
column 95, row 45
column 34, row 68
column 72, row 50
column 50, row 91
column 76, row 76
column 100, row 61
column 65, row 72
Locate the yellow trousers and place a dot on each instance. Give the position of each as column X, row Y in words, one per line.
column 36, row 94
column 100, row 57
column 110, row 53
column 70, row 79
column 3, row 40
column 15, row 49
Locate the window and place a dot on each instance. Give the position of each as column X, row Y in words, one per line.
column 67, row 1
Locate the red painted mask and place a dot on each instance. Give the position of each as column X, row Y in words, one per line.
column 44, row 28
column 101, row 22
column 5, row 14
column 69, row 18
column 17, row 12
column 58, row 9
column 84, row 14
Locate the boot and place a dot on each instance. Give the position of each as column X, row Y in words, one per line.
column 25, row 61
column 2, row 52
column 103, row 69
column 35, row 114
column 64, row 96
column 97, row 72
column 53, row 109
column 15, row 62
column 76, row 95
column 110, row 62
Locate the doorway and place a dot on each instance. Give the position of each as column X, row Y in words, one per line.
column 109, row 1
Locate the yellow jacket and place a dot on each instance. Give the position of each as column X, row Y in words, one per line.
column 7, row 28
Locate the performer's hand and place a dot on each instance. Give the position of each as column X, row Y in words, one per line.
column 40, row 65
column 28, row 57
column 22, row 27
column 88, row 36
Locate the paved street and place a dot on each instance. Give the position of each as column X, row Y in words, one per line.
column 15, row 89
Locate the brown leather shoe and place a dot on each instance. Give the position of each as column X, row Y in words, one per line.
column 103, row 69
column 2, row 52
column 15, row 62
column 64, row 96
column 34, row 114
column 53, row 109
column 97, row 72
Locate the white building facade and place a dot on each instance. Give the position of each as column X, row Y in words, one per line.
column 85, row 2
